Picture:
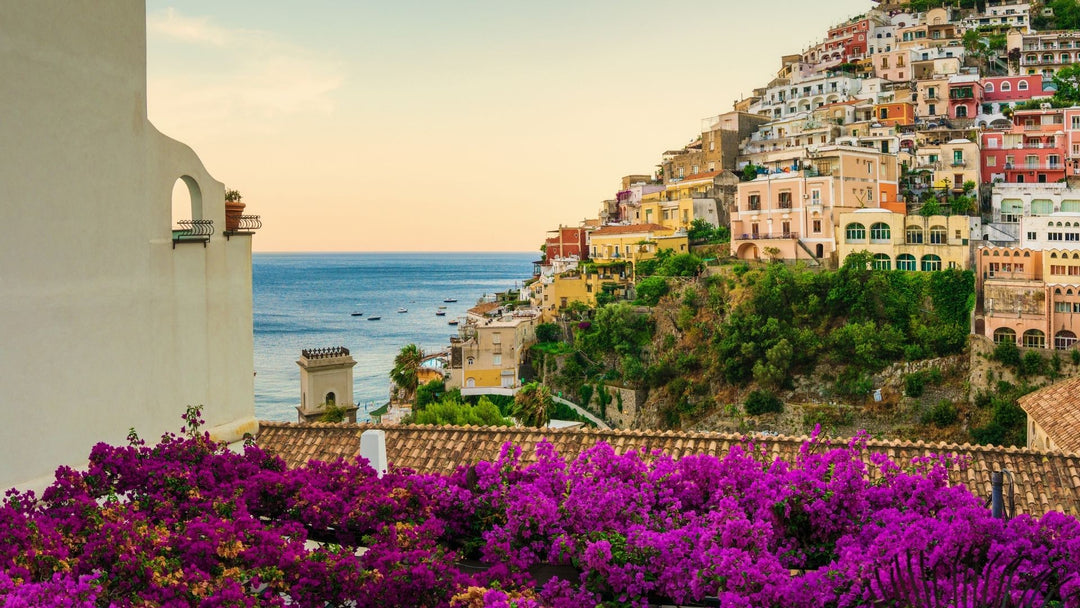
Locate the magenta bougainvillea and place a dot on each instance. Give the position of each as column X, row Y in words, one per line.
column 187, row 522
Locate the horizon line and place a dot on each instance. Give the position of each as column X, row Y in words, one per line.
column 395, row 251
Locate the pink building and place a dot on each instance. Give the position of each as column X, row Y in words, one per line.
column 847, row 42
column 1029, row 297
column 566, row 242
column 1033, row 151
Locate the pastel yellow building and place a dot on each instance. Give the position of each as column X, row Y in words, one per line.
column 490, row 348
column 958, row 163
column 906, row 242
column 628, row 245
column 553, row 294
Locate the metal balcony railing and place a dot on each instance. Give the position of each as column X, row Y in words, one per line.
column 193, row 231
column 769, row 236
column 247, row 224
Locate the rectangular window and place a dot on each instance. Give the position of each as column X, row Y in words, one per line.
column 1076, row 307
column 1074, row 271
column 1076, row 122
column 496, row 359
column 1053, row 236
column 991, row 161
column 815, row 196
column 754, row 203
column 1060, row 270
column 1072, row 236
column 1062, row 307
column 784, row 200
column 817, row 225
column 1032, row 236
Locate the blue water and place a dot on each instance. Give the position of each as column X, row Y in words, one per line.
column 305, row 300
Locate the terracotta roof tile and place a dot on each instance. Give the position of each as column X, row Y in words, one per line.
column 1045, row 481
column 484, row 308
column 1056, row 409
column 631, row 228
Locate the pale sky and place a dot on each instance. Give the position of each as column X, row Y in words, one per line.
column 414, row 125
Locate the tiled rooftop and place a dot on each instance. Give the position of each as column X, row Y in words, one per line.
column 1045, row 481
column 1056, row 409
column 629, row 229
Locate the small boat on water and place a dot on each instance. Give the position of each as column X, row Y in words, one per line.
column 403, row 309
column 442, row 308
column 440, row 313
column 375, row 318
column 450, row 300
column 452, row 322
column 356, row 314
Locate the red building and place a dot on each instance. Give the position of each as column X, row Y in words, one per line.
column 847, row 42
column 965, row 97
column 1033, row 151
column 566, row 242
column 1012, row 88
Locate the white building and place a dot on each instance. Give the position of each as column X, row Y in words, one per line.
column 1021, row 212
column 106, row 321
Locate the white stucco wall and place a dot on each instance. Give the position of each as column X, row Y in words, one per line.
column 103, row 324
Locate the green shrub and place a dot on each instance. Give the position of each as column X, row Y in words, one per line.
column 943, row 414
column 1032, row 364
column 1075, row 355
column 1007, row 352
column 585, row 391
column 649, row 290
column 853, row 382
column 548, row 332
column 762, row 402
column 914, row 384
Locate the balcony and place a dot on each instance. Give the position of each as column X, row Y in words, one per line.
column 1036, row 167
column 192, row 231
column 769, row 236
column 958, row 163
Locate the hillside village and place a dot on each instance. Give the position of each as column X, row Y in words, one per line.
column 917, row 138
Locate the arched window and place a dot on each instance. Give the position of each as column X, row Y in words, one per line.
column 1021, row 86
column 880, row 233
column 1070, row 205
column 1007, row 86
column 1004, row 334
column 855, row 233
column 1042, row 206
column 931, row 263
column 331, row 398
column 882, row 261
column 1064, row 339
column 470, row 382
column 989, row 87
column 471, row 361
column 914, row 235
column 1034, row 338
column 938, row 235
column 905, row 261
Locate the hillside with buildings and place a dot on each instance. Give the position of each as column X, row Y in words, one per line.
column 934, row 140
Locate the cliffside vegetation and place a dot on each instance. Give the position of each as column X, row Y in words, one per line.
column 741, row 328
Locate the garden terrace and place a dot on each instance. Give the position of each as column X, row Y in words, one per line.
column 1045, row 481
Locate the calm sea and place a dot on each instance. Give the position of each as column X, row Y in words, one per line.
column 306, row 300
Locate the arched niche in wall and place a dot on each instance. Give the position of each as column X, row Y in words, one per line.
column 186, row 200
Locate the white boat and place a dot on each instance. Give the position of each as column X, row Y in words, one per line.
column 403, row 309
column 452, row 322
column 450, row 300
column 357, row 313
column 440, row 313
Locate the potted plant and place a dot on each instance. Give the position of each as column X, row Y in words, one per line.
column 233, row 209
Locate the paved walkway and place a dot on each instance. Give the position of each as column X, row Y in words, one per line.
column 600, row 424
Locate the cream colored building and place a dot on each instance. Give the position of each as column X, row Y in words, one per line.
column 906, row 242
column 491, row 347
column 628, row 245
column 326, row 379
column 792, row 213
column 106, row 322
column 958, row 164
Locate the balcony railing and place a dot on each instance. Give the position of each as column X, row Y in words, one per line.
column 193, row 231
column 1036, row 167
column 769, row 236
column 246, row 224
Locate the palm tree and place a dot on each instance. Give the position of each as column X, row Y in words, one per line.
column 533, row 405
column 404, row 372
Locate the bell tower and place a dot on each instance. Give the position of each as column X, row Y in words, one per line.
column 326, row 384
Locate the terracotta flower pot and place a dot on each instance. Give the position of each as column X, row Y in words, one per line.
column 233, row 211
